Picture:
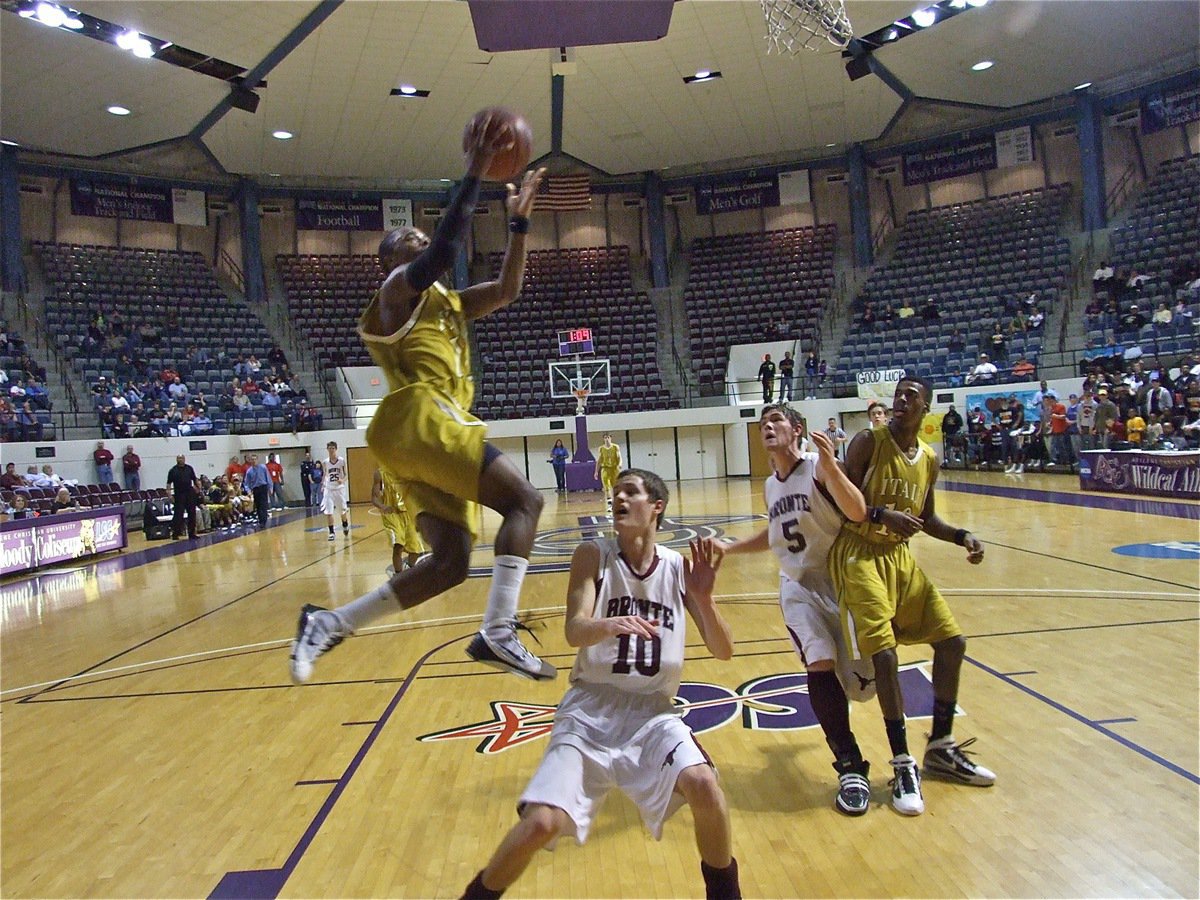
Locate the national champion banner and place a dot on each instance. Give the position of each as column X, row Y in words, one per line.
column 879, row 384
column 111, row 199
column 353, row 215
column 731, row 193
column 1158, row 474
column 1001, row 150
column 1161, row 110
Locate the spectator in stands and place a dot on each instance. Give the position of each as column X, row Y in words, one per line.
column 200, row 404
column 952, row 424
column 1153, row 433
column 30, row 425
column 277, row 358
column 1010, row 416
column 1060, row 442
column 1132, row 321
column 787, row 369
column 1126, row 401
column 1024, row 370
column 240, row 368
column 1036, row 319
column 997, row 342
column 20, row 507
column 984, row 372
column 822, row 372
column 1102, row 276
column 1172, row 438
column 1106, row 414
column 103, row 459
column 1086, row 422
column 47, row 478
column 253, row 366
column 250, row 386
column 31, row 368
column 1157, row 399
column 100, row 388
column 1019, row 323
column 131, row 466
column 766, row 377
column 957, row 343
column 930, row 312
column 235, row 467
column 1162, row 315
column 1135, row 427
column 11, row 480
column 36, row 393
column 888, row 314
column 241, row 403
column 137, row 426
column 177, row 390
column 270, row 398
column 3, row 376
column 1137, row 279
column 906, row 311
column 117, row 401
column 16, row 392
column 201, row 424
column 868, row 317
column 64, row 502
column 9, row 430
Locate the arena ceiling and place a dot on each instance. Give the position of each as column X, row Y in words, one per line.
column 626, row 109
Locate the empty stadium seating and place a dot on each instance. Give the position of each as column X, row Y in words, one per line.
column 740, row 286
column 973, row 259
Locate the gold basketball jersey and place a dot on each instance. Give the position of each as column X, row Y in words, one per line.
column 393, row 495
column 894, row 481
column 610, row 457
column 431, row 348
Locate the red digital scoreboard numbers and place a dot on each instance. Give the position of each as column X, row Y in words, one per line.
column 575, row 340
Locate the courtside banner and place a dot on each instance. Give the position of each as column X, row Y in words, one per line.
column 28, row 543
column 1159, row 474
column 879, row 384
column 146, row 203
column 731, row 193
column 1160, row 111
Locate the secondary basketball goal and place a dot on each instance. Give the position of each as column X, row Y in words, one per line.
column 795, row 25
column 580, row 379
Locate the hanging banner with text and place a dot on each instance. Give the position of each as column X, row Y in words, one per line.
column 1157, row 474
column 353, row 215
column 1161, row 110
column 749, row 191
column 879, row 384
column 1001, row 150
column 145, row 203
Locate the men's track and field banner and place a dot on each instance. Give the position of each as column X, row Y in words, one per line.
column 1161, row 110
column 106, row 199
column 749, row 190
column 1002, row 150
column 29, row 543
column 353, row 215
column 879, row 384
column 1154, row 474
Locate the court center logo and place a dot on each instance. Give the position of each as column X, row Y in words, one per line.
column 1162, row 550
column 768, row 703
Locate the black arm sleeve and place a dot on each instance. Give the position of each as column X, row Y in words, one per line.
column 448, row 240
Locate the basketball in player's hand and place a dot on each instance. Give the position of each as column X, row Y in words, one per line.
column 510, row 161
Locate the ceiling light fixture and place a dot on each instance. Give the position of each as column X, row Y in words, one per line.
column 407, row 89
column 977, row 3
column 1080, row 87
column 8, row 143
column 409, row 92
column 982, row 66
column 50, row 15
column 923, row 18
column 702, row 75
column 127, row 40
column 142, row 49
column 118, row 110
column 282, row 135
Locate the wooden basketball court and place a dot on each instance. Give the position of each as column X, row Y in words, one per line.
column 153, row 745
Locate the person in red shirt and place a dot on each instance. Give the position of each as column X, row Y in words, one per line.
column 234, row 468
column 1060, row 444
column 275, row 470
column 103, row 459
column 131, row 465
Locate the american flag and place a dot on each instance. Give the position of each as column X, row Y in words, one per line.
column 561, row 193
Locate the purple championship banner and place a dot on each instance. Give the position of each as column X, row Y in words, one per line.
column 146, row 203
column 1155, row 474
column 950, row 162
column 29, row 543
column 717, row 195
column 339, row 215
column 1160, row 111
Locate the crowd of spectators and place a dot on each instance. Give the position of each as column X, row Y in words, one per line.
column 23, row 396
column 1146, row 406
column 1120, row 314
column 140, row 402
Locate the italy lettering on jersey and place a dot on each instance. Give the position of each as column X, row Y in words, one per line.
column 625, row 661
column 803, row 523
column 895, row 480
column 335, row 472
column 430, row 348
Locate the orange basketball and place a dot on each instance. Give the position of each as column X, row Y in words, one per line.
column 507, row 164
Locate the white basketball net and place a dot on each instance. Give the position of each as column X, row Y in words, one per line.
column 581, row 398
column 795, row 25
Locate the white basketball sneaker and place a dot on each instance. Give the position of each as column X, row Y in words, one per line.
column 498, row 646
column 317, row 632
column 906, row 786
column 944, row 758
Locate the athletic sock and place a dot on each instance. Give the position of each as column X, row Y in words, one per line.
column 369, row 607
column 832, row 709
column 331, row 529
column 507, row 574
column 721, row 884
column 476, row 891
column 943, row 719
column 897, row 736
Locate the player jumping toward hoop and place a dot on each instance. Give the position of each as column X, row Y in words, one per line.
column 806, row 499
column 886, row 599
column 616, row 726
column 424, row 433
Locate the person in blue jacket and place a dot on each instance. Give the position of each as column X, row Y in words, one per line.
column 558, row 458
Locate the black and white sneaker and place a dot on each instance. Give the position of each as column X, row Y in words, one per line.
column 906, row 786
column 946, row 759
column 854, row 789
column 499, row 647
column 317, row 632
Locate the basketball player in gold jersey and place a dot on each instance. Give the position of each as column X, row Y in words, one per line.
column 885, row 597
column 608, row 466
column 387, row 496
column 424, row 433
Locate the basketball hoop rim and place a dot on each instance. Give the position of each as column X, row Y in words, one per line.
column 581, row 393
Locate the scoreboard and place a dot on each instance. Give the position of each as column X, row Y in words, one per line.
column 575, row 340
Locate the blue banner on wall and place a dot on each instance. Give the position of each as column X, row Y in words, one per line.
column 119, row 200
column 1161, row 110
column 733, row 193
column 339, row 215
column 935, row 164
